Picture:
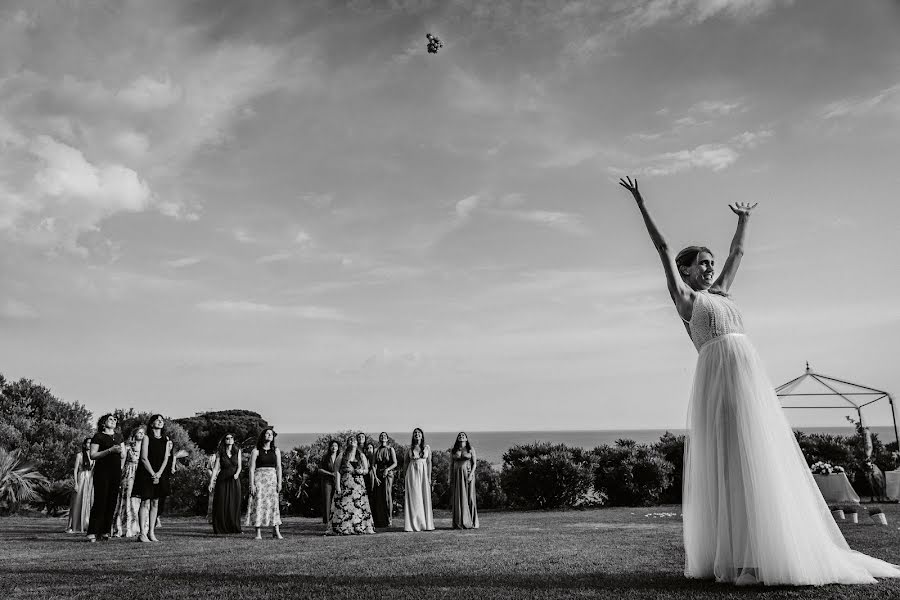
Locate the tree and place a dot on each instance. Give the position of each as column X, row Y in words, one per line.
column 20, row 481
column 42, row 427
column 207, row 428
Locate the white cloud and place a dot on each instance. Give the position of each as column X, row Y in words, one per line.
column 566, row 222
column 887, row 100
column 187, row 261
column 466, row 206
column 146, row 93
column 15, row 309
column 302, row 238
column 708, row 156
column 249, row 308
column 276, row 257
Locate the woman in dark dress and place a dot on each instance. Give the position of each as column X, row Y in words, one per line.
column 225, row 486
column 384, row 463
column 327, row 473
column 151, row 483
column 462, row 483
column 108, row 450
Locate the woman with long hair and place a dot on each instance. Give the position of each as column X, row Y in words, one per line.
column 83, row 491
column 125, row 519
column 417, row 513
column 752, row 511
column 364, row 446
column 265, row 485
column 108, row 451
column 350, row 511
column 328, row 472
column 151, row 483
column 384, row 463
column 225, row 487
column 462, row 483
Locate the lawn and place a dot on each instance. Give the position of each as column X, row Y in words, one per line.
column 619, row 553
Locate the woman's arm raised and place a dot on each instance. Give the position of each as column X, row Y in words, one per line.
column 681, row 294
column 736, row 252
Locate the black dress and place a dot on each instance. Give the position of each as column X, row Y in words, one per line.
column 144, row 488
column 107, row 476
column 226, row 511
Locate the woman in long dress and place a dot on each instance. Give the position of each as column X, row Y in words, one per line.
column 328, row 467
column 225, row 487
column 384, row 463
column 83, row 493
column 108, row 452
column 125, row 519
column 752, row 511
column 417, row 514
column 265, row 485
column 350, row 511
column 462, row 483
column 151, row 482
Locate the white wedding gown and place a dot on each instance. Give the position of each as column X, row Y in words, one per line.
column 752, row 511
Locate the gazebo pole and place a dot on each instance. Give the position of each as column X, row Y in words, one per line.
column 894, row 416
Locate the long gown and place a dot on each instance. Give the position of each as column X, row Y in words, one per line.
column 82, row 496
column 350, row 512
column 381, row 498
column 226, row 510
column 125, row 518
column 752, row 511
column 462, row 491
column 417, row 514
column 327, row 484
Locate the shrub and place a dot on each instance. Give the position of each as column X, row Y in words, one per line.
column 488, row 491
column 189, row 492
column 544, row 475
column 20, row 481
column 300, row 490
column 631, row 474
column 55, row 496
column 671, row 447
column 440, row 478
column 207, row 428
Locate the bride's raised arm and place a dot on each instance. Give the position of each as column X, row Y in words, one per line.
column 681, row 293
column 736, row 252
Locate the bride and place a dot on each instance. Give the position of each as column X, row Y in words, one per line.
column 752, row 511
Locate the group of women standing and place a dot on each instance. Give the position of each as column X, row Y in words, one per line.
column 357, row 485
column 118, row 484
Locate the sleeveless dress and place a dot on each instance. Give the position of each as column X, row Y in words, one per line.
column 226, row 511
column 144, row 488
column 462, row 491
column 264, row 509
column 350, row 511
column 125, row 519
column 82, row 496
column 417, row 514
column 327, row 484
column 752, row 511
column 382, row 499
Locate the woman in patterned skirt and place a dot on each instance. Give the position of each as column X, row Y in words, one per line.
column 350, row 512
column 125, row 520
column 83, row 494
column 384, row 464
column 265, row 485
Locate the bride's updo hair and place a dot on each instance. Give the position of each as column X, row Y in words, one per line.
column 686, row 257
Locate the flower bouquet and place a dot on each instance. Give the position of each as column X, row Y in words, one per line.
column 821, row 468
column 877, row 515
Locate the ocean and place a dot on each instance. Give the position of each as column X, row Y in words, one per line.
column 490, row 445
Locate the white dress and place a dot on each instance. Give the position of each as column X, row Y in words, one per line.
column 751, row 506
column 417, row 514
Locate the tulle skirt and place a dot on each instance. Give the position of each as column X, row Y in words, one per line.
column 751, row 506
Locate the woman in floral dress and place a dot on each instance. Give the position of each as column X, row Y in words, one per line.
column 350, row 511
column 125, row 519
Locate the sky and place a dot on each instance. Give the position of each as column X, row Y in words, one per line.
column 294, row 208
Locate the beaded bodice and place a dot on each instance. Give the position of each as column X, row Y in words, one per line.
column 713, row 316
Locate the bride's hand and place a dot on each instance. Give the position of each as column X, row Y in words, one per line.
column 742, row 209
column 631, row 186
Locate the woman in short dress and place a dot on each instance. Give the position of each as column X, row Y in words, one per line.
column 350, row 512
column 108, row 452
column 417, row 514
column 265, row 485
column 384, row 463
column 125, row 520
column 83, row 493
column 151, row 483
column 225, row 487
column 327, row 473
column 462, row 483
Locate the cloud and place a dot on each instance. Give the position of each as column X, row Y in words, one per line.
column 562, row 221
column 248, row 308
column 302, row 238
column 146, row 93
column 180, row 263
column 885, row 101
column 466, row 206
column 276, row 257
column 716, row 157
column 17, row 310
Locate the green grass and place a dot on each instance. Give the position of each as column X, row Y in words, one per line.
column 611, row 553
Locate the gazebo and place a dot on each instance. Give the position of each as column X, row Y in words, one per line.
column 814, row 391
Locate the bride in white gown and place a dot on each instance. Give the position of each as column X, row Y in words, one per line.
column 752, row 510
